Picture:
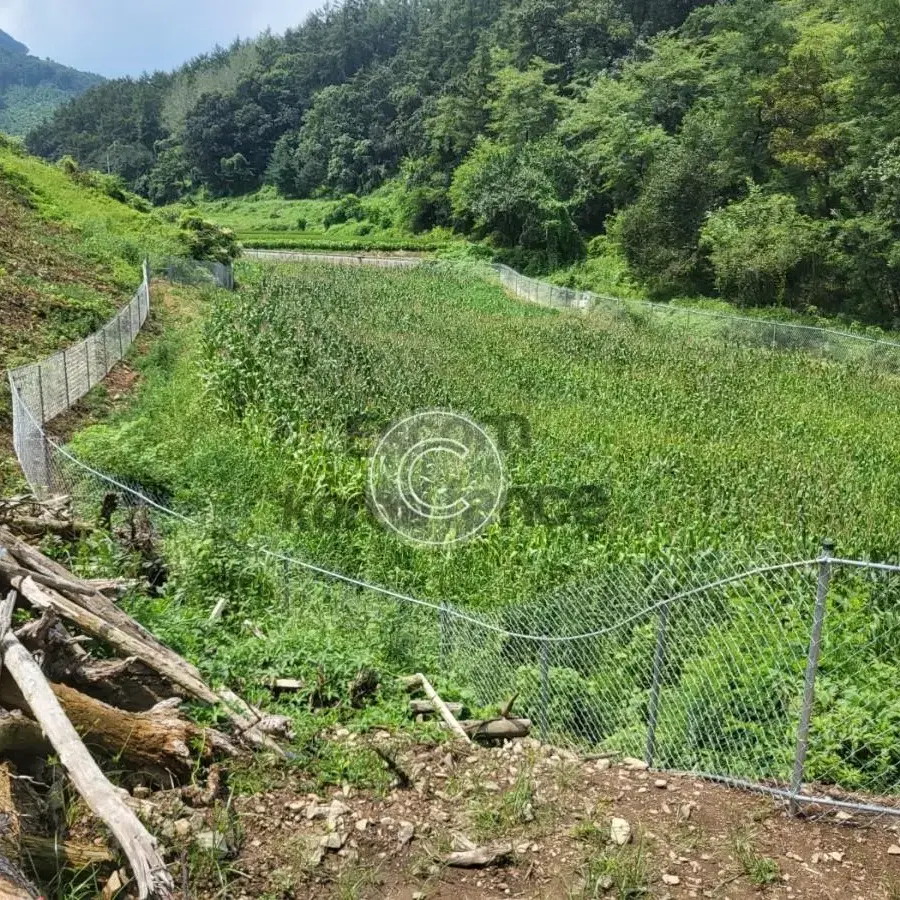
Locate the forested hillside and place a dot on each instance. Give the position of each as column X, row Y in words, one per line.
column 747, row 149
column 31, row 88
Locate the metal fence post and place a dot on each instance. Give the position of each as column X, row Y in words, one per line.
column 65, row 368
column 812, row 667
column 545, row 689
column 119, row 330
column 442, row 635
column 659, row 662
column 41, row 393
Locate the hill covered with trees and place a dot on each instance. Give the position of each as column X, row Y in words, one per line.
column 31, row 88
column 745, row 148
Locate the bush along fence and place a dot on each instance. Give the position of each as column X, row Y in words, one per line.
column 44, row 390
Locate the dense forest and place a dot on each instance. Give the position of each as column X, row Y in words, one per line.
column 31, row 88
column 745, row 148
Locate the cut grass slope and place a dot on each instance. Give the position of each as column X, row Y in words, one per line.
column 266, row 221
column 69, row 257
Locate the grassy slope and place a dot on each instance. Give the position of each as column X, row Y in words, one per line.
column 69, row 256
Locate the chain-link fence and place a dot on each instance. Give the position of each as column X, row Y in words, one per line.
column 840, row 346
column 336, row 259
column 776, row 675
column 45, row 390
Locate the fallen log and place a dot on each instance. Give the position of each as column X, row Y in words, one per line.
column 99, row 617
column 479, row 858
column 125, row 683
column 158, row 742
column 21, row 736
column 13, row 884
column 46, row 855
column 497, row 729
column 39, row 527
column 59, row 584
column 93, row 602
column 153, row 878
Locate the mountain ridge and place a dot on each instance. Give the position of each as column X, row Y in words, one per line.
column 31, row 88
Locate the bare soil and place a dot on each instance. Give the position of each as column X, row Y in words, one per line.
column 689, row 838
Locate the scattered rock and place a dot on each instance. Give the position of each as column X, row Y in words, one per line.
column 620, row 832
column 333, row 841
column 362, row 824
column 894, row 849
column 636, row 765
column 661, row 783
column 671, row 880
column 213, row 842
column 406, row 834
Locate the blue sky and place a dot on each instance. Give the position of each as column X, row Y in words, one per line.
column 128, row 37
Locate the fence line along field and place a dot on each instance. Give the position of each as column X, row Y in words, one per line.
column 660, row 463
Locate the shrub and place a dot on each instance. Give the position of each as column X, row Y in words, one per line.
column 204, row 240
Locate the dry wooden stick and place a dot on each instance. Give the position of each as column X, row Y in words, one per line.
column 140, row 847
column 6, row 613
column 427, row 708
column 441, row 707
column 478, row 858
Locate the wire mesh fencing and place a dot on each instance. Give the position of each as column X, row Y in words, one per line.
column 44, row 390
column 695, row 323
column 776, row 675
column 687, row 322
column 779, row 677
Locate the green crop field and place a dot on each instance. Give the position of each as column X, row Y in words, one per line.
column 265, row 220
column 693, row 444
column 258, row 417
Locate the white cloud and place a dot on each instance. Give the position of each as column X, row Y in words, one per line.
column 118, row 37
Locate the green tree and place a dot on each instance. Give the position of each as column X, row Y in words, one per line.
column 756, row 245
column 521, row 197
column 523, row 106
